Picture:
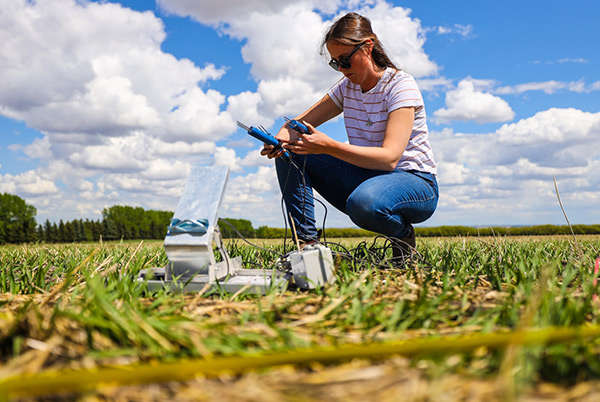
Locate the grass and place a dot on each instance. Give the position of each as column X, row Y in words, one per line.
column 80, row 306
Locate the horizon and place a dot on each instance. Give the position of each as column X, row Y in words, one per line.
column 422, row 225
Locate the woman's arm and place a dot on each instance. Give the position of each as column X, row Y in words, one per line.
column 397, row 133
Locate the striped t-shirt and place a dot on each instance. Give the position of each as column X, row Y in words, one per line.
column 366, row 114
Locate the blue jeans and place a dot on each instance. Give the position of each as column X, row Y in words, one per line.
column 380, row 201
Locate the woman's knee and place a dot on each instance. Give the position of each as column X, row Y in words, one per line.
column 363, row 208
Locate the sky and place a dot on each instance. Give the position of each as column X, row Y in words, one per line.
column 108, row 103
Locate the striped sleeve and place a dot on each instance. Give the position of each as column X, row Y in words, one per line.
column 336, row 93
column 404, row 93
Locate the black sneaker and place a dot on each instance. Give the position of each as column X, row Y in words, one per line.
column 403, row 248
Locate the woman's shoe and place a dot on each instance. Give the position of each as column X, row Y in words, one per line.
column 403, row 247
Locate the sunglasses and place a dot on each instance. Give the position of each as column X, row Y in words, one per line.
column 344, row 61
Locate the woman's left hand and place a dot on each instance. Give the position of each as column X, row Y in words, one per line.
column 316, row 142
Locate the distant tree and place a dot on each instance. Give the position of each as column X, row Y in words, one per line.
column 266, row 232
column 137, row 223
column 47, row 230
column 88, row 231
column 17, row 220
column 97, row 228
column 243, row 226
column 109, row 230
column 62, row 233
column 159, row 221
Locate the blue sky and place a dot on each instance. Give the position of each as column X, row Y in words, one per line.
column 111, row 102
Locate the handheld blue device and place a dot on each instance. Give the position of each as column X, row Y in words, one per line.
column 265, row 137
column 296, row 125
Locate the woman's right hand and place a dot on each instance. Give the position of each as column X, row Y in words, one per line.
column 285, row 134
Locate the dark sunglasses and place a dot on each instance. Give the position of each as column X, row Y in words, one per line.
column 344, row 61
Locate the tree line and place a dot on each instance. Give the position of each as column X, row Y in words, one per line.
column 265, row 232
column 119, row 222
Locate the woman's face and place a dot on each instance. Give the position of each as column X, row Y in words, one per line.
column 361, row 70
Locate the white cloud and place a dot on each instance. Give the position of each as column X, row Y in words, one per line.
column 277, row 45
column 245, row 107
column 198, row 116
column 254, row 158
column 118, row 154
column 572, row 60
column 510, row 172
column 178, row 149
column 466, row 103
column 118, row 116
column 254, row 195
column 162, row 169
column 287, row 95
column 456, row 29
column 39, row 148
column 212, row 12
column 434, row 85
column 97, row 68
column 548, row 87
column 227, row 157
column 560, row 126
column 29, row 184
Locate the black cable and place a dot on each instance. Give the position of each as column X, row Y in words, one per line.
column 374, row 255
column 377, row 255
column 305, row 199
column 245, row 240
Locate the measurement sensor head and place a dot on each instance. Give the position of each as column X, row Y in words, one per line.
column 242, row 125
column 296, row 125
column 263, row 135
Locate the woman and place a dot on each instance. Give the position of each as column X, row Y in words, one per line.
column 384, row 178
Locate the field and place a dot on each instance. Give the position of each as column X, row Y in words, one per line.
column 468, row 319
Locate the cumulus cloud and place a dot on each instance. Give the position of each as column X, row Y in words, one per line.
column 434, row 85
column 467, row 103
column 563, row 126
column 246, row 108
column 116, row 113
column 511, row 171
column 227, row 157
column 97, row 69
column 29, row 184
column 212, row 12
column 253, row 195
column 277, row 45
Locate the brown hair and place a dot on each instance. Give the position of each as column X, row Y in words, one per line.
column 352, row 29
